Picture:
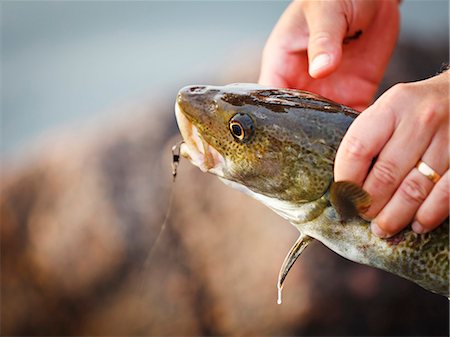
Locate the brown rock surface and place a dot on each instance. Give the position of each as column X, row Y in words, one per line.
column 79, row 220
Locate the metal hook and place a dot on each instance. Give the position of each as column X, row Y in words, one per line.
column 176, row 158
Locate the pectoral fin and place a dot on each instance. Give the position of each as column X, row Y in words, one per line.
column 295, row 251
column 349, row 199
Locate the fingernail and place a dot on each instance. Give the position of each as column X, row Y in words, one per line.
column 417, row 227
column 378, row 231
column 319, row 62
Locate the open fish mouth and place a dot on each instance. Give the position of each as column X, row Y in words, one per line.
column 197, row 150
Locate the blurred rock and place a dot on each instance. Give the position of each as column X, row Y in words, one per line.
column 79, row 224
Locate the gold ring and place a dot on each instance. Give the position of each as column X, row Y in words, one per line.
column 428, row 172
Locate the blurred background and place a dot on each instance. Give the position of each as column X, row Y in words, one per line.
column 87, row 95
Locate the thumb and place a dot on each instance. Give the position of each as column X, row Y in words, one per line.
column 327, row 27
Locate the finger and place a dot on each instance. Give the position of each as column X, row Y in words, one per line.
column 435, row 209
column 408, row 144
column 413, row 190
column 282, row 57
column 327, row 27
column 362, row 142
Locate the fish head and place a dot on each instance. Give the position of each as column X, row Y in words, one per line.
column 275, row 142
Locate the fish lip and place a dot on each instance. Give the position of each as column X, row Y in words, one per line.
column 197, row 150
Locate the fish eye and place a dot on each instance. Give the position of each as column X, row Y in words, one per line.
column 241, row 127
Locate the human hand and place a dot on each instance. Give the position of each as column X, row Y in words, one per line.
column 315, row 30
column 408, row 123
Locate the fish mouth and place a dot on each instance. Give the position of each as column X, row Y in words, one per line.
column 195, row 148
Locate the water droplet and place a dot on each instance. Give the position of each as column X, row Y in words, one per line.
column 279, row 295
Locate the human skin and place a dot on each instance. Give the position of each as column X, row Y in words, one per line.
column 308, row 30
column 407, row 123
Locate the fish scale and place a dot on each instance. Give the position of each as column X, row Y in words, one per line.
column 282, row 154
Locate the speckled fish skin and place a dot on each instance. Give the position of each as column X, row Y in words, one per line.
column 288, row 165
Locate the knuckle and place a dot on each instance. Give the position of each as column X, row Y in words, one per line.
column 396, row 92
column 355, row 149
column 321, row 38
column 399, row 93
column 430, row 115
column 384, row 173
column 304, row 4
column 399, row 90
column 430, row 112
column 307, row 6
column 427, row 116
column 412, row 191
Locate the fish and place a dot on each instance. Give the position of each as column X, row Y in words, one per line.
column 278, row 146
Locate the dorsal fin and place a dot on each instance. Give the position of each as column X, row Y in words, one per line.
column 349, row 199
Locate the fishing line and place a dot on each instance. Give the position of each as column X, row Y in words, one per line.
column 175, row 161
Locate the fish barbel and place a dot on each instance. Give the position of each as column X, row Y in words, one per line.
column 279, row 145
